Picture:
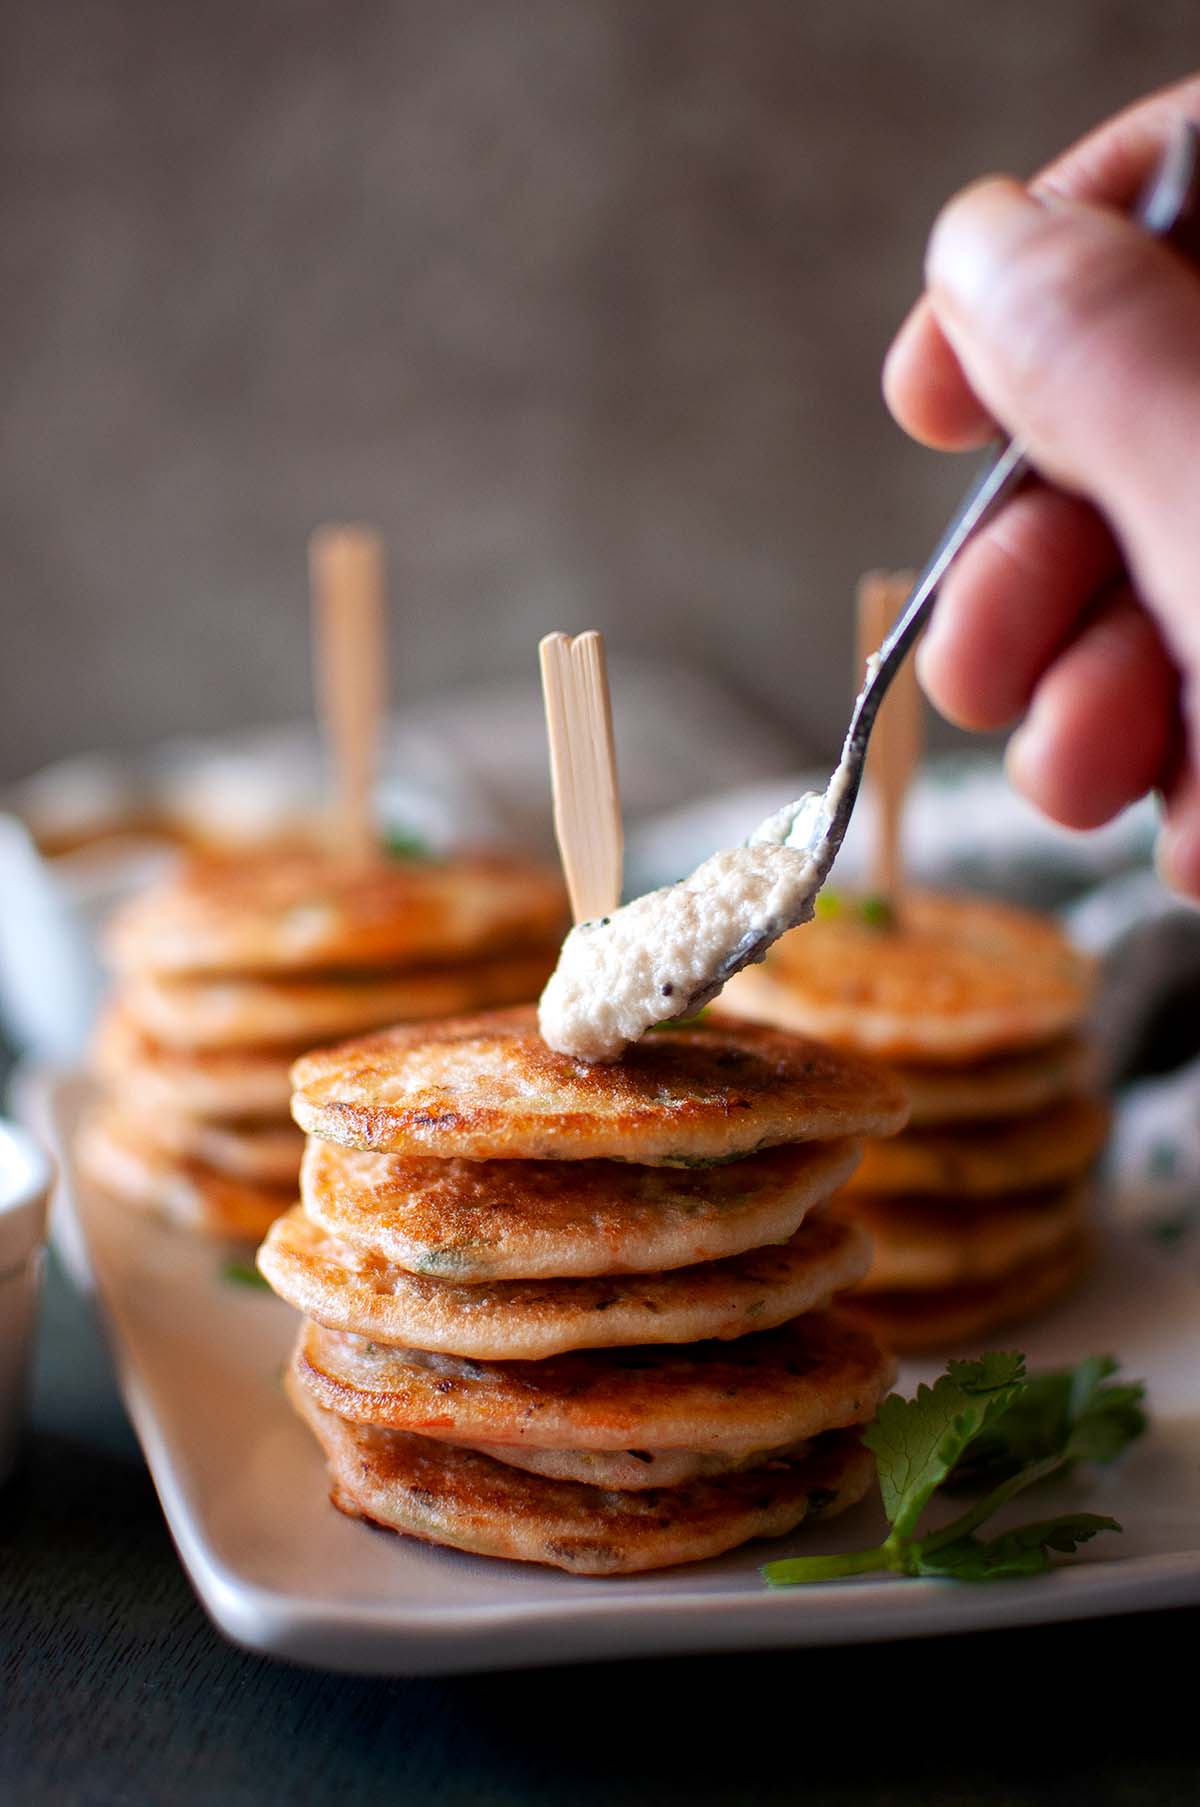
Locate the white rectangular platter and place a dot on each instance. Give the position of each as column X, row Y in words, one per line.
column 199, row 1360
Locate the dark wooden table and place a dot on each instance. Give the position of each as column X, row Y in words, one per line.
column 115, row 1688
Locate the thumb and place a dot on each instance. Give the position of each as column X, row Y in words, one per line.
column 1081, row 334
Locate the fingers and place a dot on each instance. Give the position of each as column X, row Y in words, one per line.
column 923, row 383
column 1099, row 729
column 1009, row 604
column 1112, row 162
column 1083, row 336
column 1178, row 851
column 925, row 389
column 1179, row 842
column 1060, row 321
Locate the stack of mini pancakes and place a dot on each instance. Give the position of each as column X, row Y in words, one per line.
column 579, row 1315
column 978, row 1212
column 232, row 967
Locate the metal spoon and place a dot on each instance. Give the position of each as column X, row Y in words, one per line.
column 580, row 1014
column 1169, row 207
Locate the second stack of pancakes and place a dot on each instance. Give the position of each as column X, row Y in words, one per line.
column 232, row 966
column 578, row 1315
column 978, row 1212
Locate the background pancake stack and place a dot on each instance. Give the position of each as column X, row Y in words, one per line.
column 577, row 1315
column 233, row 967
column 978, row 1211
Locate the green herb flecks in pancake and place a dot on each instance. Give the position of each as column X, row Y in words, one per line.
column 347, row 1288
column 756, row 1392
column 463, row 1499
column 511, row 1220
column 488, row 1087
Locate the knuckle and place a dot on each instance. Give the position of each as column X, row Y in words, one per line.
column 1065, row 300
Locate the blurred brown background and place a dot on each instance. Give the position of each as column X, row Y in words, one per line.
column 583, row 301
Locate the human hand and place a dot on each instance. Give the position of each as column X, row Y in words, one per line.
column 1049, row 311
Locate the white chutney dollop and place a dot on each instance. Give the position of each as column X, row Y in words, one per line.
column 666, row 954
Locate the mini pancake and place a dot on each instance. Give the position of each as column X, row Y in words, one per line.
column 818, row 1373
column 956, row 979
column 632, row 1470
column 1010, row 1086
column 116, row 1157
column 206, row 1013
column 346, row 1288
column 983, row 1160
column 298, row 909
column 958, row 1319
column 488, row 1088
column 457, row 1497
column 921, row 1243
column 268, row 1152
column 527, row 1220
column 245, row 1085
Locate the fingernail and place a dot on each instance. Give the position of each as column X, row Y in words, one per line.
column 974, row 236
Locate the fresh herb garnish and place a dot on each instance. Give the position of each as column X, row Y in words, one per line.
column 683, row 1022
column 243, row 1273
column 877, row 913
column 1071, row 1413
column 403, row 844
column 988, row 1424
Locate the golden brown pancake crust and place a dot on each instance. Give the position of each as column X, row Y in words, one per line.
column 240, row 1012
column 958, row 1319
column 1009, row 1086
column 445, row 1495
column 982, row 1160
column 488, row 1087
column 528, row 1220
column 266, row 1152
column 958, row 979
column 301, row 909
column 115, row 1156
column 924, row 1243
column 632, row 1471
column 247, row 1085
column 816, row 1373
column 527, row 1320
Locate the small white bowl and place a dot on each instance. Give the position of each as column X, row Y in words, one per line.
column 25, row 1180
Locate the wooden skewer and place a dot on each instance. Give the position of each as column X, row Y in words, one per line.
column 583, row 771
column 896, row 739
column 346, row 576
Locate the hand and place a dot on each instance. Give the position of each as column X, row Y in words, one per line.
column 1048, row 311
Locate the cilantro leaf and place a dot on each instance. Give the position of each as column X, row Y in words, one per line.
column 988, row 1425
column 998, row 1368
column 1023, row 1551
column 1069, row 1414
column 917, row 1442
column 404, row 844
column 877, row 913
column 242, row 1273
column 1103, row 1420
column 684, row 1022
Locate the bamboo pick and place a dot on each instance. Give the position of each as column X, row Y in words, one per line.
column 896, row 739
column 346, row 577
column 583, row 771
